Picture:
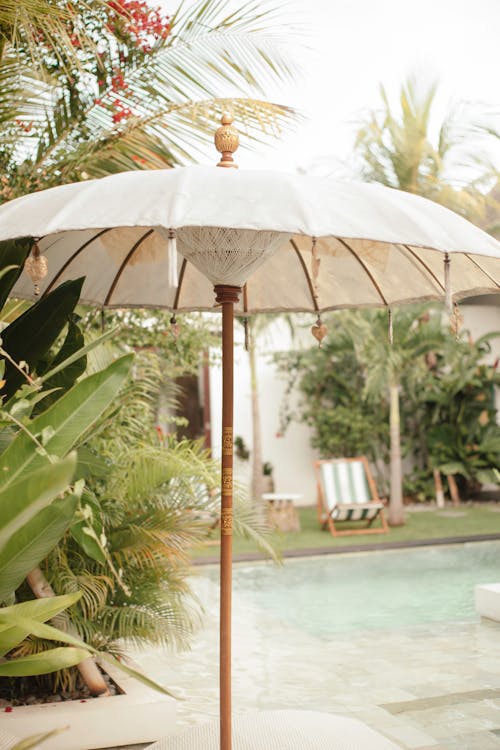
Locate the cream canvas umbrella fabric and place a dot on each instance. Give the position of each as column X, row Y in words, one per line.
column 375, row 246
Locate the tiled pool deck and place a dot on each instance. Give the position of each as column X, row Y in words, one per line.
column 429, row 686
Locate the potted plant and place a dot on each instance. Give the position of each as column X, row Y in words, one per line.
column 267, row 480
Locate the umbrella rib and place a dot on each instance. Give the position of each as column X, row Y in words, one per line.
column 482, row 269
column 179, row 285
column 71, row 259
column 365, row 269
column 123, row 265
column 314, row 295
column 424, row 264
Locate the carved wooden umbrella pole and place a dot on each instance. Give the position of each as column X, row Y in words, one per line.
column 226, row 141
column 227, row 296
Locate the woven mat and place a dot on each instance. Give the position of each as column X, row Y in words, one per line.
column 282, row 730
column 7, row 740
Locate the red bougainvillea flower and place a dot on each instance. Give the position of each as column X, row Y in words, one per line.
column 121, row 111
column 140, row 21
column 117, row 81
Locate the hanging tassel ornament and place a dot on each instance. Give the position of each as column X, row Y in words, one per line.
column 456, row 321
column 172, row 258
column 447, row 284
column 391, row 329
column 174, row 327
column 247, row 337
column 315, row 264
column 319, row 331
column 36, row 267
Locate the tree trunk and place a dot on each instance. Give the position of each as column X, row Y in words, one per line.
column 454, row 493
column 439, row 488
column 257, row 486
column 396, row 512
column 88, row 668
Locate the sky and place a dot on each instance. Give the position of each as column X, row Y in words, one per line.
column 353, row 45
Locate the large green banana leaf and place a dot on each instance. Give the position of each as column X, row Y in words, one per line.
column 66, row 421
column 65, row 378
column 44, row 662
column 42, row 630
column 12, row 253
column 28, row 546
column 32, row 334
column 32, row 492
column 39, row 610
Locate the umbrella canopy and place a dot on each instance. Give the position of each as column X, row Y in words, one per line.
column 291, row 242
column 375, row 246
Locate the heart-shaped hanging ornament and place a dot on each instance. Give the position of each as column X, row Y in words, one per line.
column 319, row 331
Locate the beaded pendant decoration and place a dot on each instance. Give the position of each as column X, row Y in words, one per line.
column 36, row 266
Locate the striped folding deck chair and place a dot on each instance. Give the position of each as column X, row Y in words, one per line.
column 347, row 492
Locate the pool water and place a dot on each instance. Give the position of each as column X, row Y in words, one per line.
column 349, row 634
column 374, row 590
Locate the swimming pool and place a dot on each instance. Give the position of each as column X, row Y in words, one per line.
column 372, row 590
column 348, row 634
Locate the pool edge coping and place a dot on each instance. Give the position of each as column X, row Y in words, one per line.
column 374, row 547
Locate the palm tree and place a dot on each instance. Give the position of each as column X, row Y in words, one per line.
column 102, row 91
column 397, row 149
column 386, row 363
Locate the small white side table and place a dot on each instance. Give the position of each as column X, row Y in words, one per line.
column 281, row 512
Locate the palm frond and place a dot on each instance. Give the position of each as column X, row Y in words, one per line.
column 176, row 134
column 31, row 28
column 170, row 95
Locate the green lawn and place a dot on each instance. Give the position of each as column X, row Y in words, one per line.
column 467, row 520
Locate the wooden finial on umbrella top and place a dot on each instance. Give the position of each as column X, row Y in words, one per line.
column 226, row 141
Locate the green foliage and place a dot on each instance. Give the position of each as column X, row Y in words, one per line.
column 40, row 610
column 332, row 400
column 151, row 500
column 36, row 510
column 30, row 617
column 12, row 256
column 456, row 426
column 396, row 148
column 267, row 469
column 240, row 448
column 32, row 519
column 19, row 621
column 61, row 380
column 448, row 414
column 180, row 345
column 90, row 89
column 31, row 335
column 66, row 423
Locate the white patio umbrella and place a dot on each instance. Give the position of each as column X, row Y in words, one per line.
column 263, row 241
